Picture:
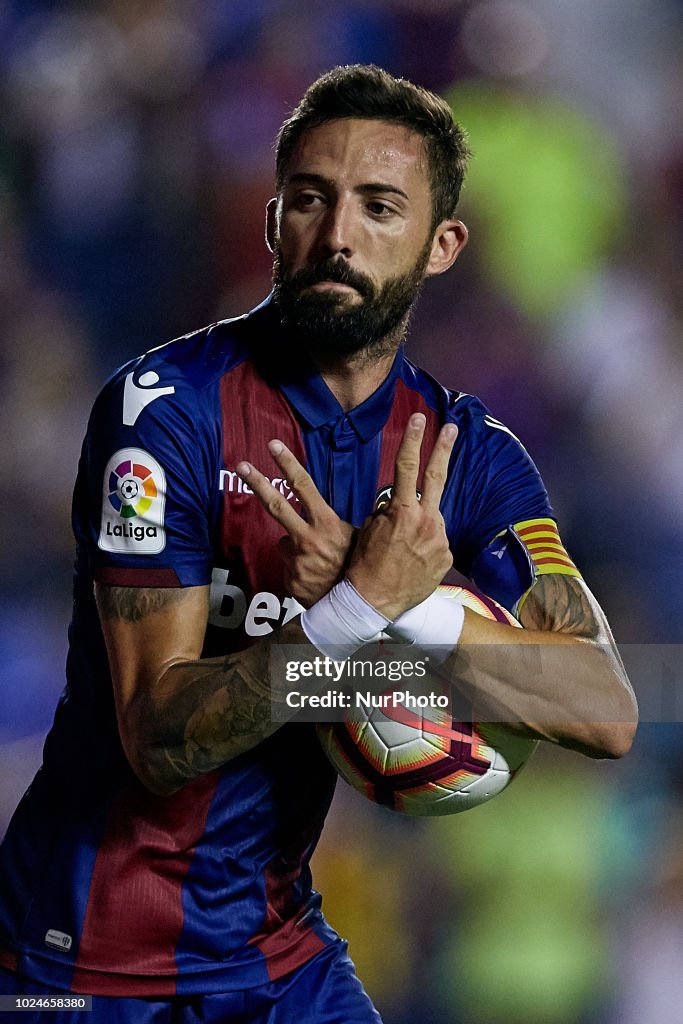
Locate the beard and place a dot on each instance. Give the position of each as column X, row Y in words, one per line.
column 337, row 324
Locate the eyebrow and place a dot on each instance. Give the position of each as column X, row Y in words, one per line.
column 370, row 188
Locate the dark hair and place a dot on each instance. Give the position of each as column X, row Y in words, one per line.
column 366, row 91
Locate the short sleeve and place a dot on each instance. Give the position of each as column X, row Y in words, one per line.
column 142, row 506
column 512, row 536
column 505, row 488
column 512, row 490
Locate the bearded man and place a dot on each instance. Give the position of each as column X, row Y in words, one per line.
column 159, row 861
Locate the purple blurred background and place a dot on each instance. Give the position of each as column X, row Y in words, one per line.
column 135, row 164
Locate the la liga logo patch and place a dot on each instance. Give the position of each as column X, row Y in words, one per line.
column 132, row 489
column 133, row 499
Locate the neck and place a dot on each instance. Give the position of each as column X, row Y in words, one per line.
column 353, row 380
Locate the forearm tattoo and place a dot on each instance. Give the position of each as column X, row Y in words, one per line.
column 217, row 711
column 199, row 714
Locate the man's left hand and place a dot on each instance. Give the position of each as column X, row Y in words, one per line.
column 315, row 550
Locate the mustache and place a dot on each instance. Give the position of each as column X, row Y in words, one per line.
column 332, row 270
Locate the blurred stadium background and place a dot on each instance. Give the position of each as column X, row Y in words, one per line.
column 135, row 164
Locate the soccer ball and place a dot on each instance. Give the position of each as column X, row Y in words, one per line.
column 424, row 761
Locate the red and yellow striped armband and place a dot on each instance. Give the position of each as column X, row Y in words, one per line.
column 546, row 550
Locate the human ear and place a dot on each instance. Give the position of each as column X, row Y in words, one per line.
column 271, row 223
column 450, row 238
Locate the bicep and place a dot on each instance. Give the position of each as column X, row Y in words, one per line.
column 146, row 631
column 564, row 604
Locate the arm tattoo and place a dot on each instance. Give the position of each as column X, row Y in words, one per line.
column 564, row 604
column 198, row 713
column 215, row 710
column 226, row 706
column 134, row 603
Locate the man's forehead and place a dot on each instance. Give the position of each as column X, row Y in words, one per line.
column 360, row 145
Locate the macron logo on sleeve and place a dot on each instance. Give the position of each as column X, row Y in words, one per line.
column 137, row 396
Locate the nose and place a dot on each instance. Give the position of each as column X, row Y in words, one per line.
column 336, row 231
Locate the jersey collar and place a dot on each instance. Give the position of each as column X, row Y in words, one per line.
column 308, row 393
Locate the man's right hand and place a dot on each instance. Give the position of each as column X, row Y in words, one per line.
column 401, row 553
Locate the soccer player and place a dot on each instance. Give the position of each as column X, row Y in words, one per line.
column 159, row 861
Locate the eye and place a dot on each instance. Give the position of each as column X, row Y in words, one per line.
column 380, row 209
column 307, row 200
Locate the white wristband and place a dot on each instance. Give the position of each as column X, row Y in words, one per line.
column 341, row 622
column 433, row 625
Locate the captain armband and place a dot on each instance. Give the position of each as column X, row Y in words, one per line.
column 507, row 568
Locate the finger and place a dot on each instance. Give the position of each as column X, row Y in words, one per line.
column 300, row 481
column 408, row 461
column 437, row 467
column 272, row 500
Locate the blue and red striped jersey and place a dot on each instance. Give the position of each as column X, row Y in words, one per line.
column 106, row 888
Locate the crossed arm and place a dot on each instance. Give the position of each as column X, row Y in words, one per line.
column 181, row 716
